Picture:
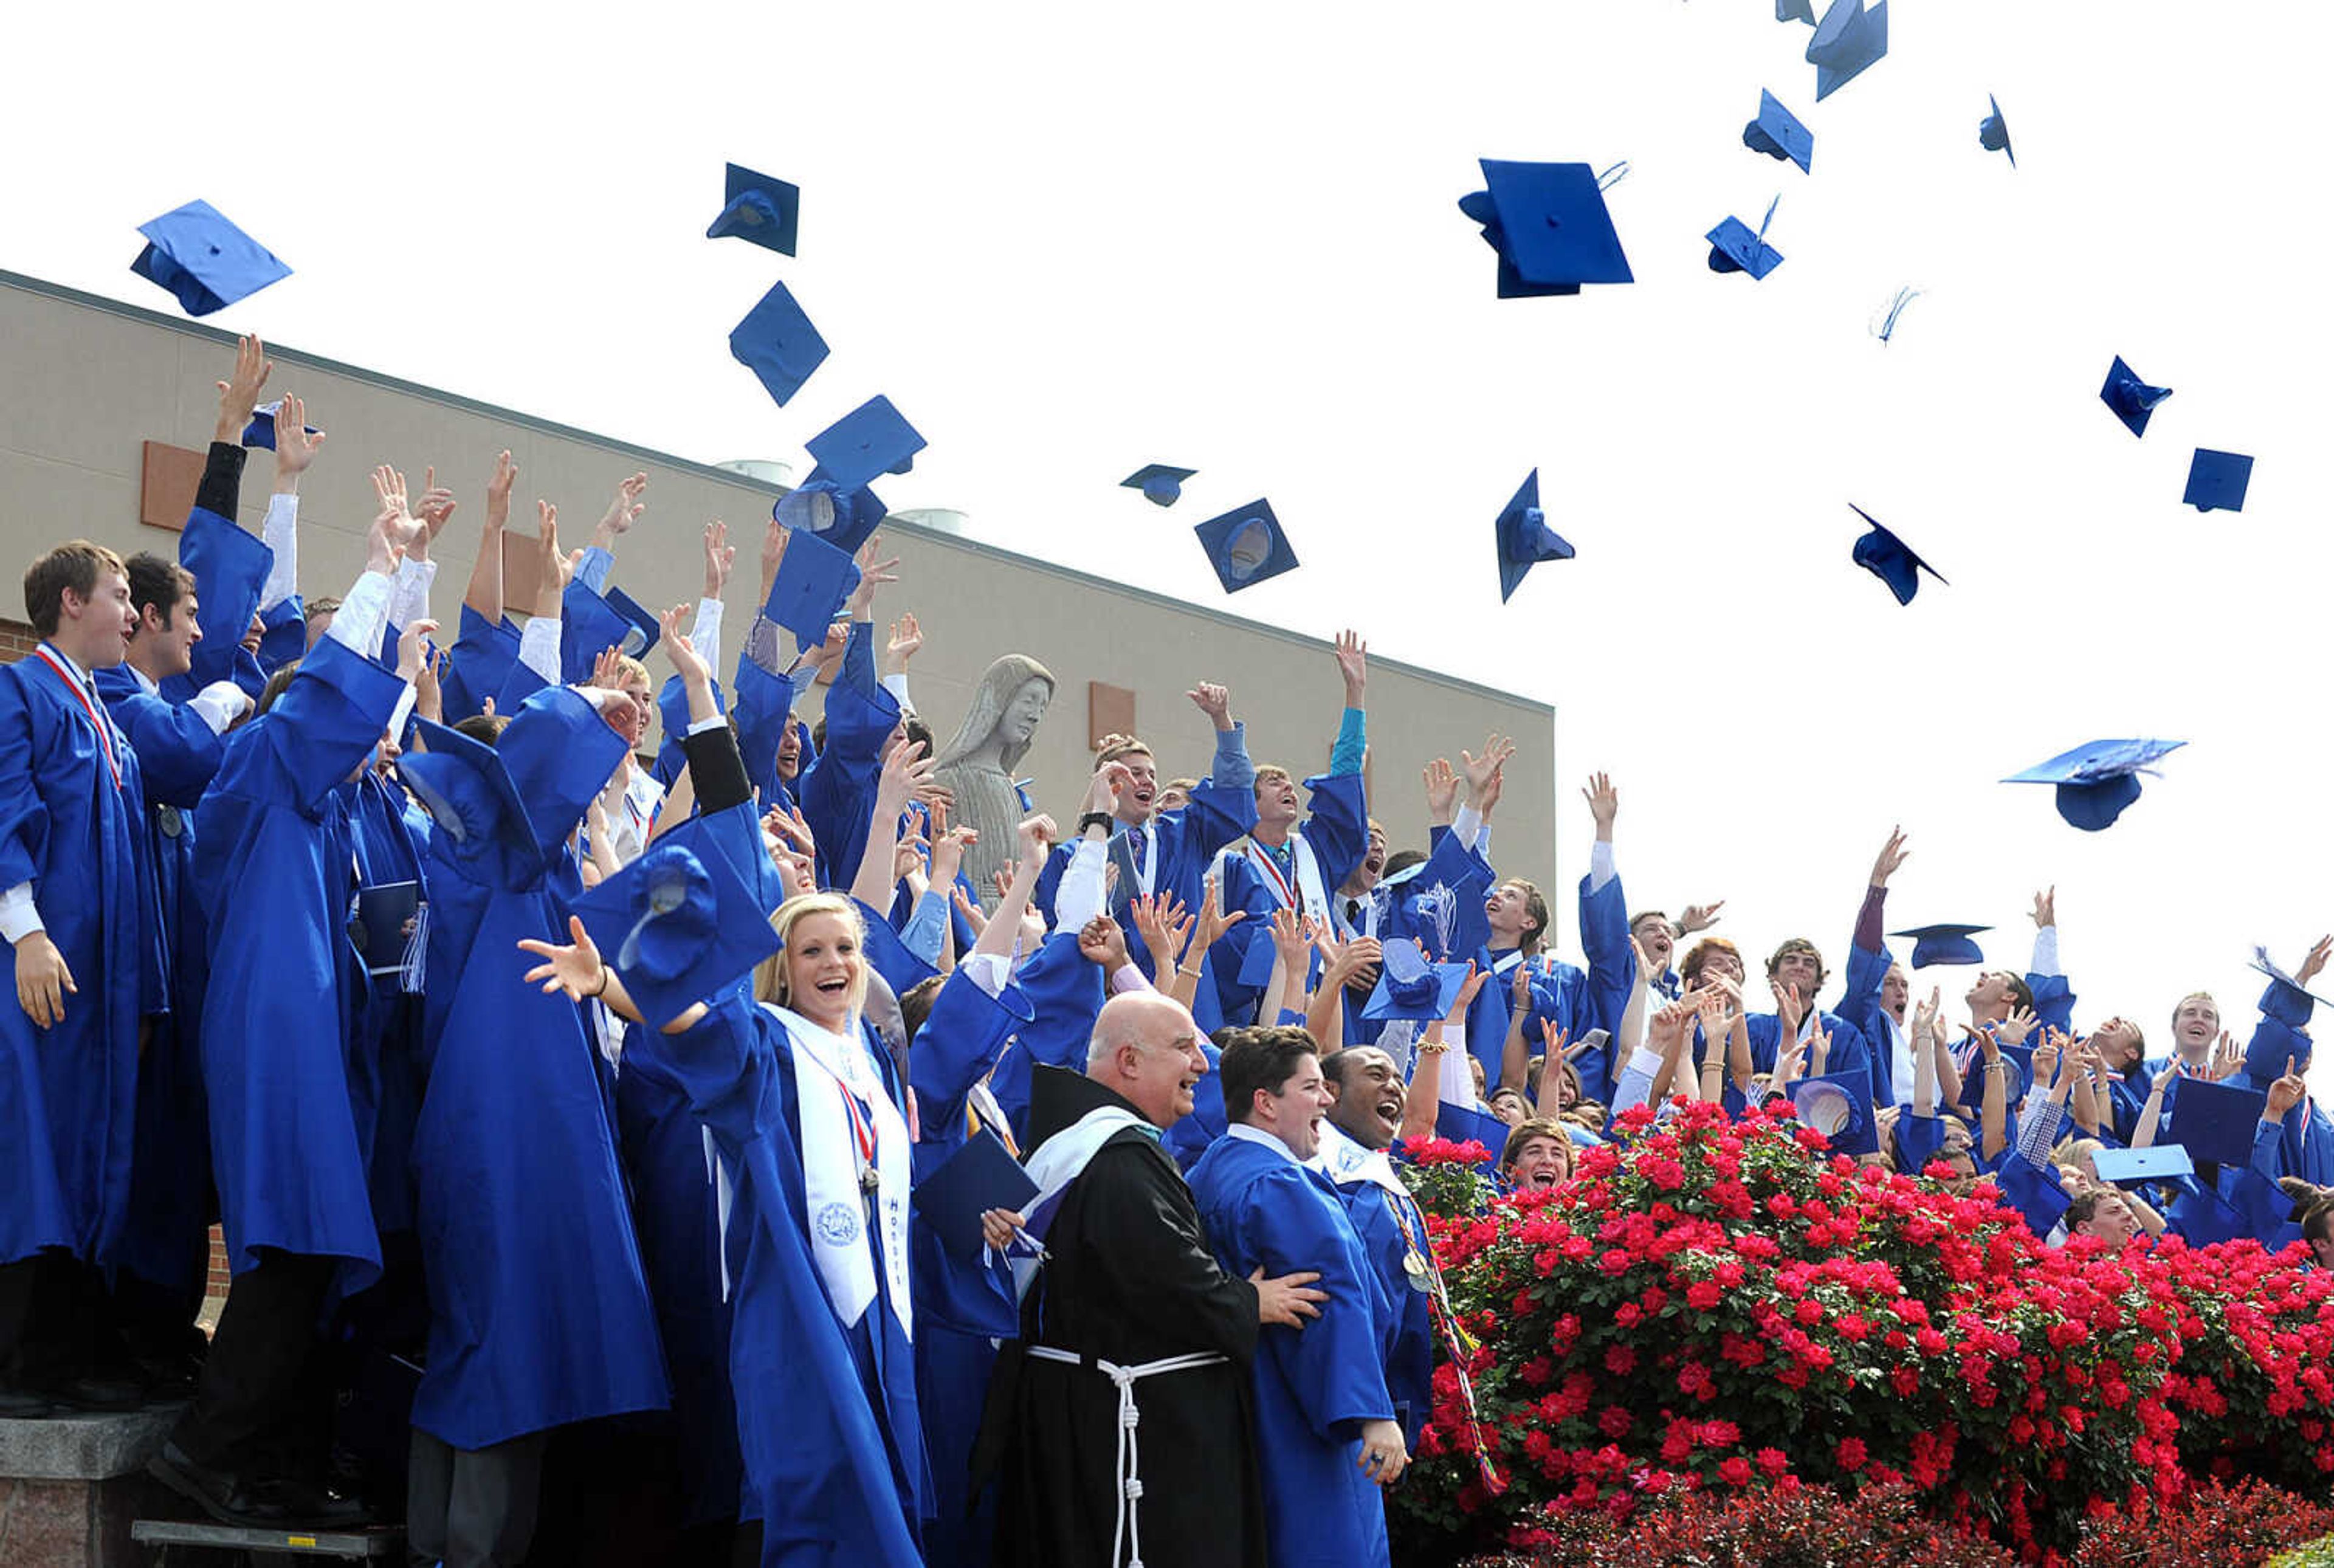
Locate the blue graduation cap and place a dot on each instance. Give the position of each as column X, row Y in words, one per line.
column 1246, row 545
column 676, row 925
column 758, row 208
column 1733, row 248
column 2131, row 398
column 1548, row 223
column 1524, row 537
column 2098, row 779
column 1849, row 39
column 842, row 517
column 777, row 343
column 642, row 626
column 870, row 439
column 205, row 261
column 1879, row 551
column 1839, row 1106
column 588, row 623
column 2264, row 964
column 672, row 706
column 2217, row 481
column 982, row 1175
column 1993, row 132
column 2035, row 1193
column 2215, row 1121
column 463, row 786
column 1919, row 1140
column 814, row 580
column 1944, row 944
column 261, row 432
column 1410, row 987
column 1465, row 1124
column 1796, row 11
column 1778, row 133
column 1160, row 485
column 2135, row 1166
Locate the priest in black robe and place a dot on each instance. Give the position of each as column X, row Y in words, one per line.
column 1129, row 1305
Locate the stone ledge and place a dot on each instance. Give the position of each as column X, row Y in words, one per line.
column 82, row 1448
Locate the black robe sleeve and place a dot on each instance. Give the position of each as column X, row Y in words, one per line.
column 221, row 490
column 1144, row 1249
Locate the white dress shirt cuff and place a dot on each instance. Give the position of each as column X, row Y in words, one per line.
column 357, row 623
column 538, row 647
column 897, row 684
column 1600, row 864
column 281, row 533
column 1084, row 892
column 19, row 915
column 408, row 600
column 2046, row 951
column 706, row 635
column 220, row 703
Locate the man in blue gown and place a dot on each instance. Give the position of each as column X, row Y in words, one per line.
column 77, row 906
column 1327, row 1437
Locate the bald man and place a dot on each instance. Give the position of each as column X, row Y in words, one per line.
column 1130, row 1308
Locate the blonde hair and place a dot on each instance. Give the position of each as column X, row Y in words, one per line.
column 630, row 668
column 771, row 983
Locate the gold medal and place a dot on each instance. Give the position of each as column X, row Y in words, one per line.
column 1417, row 1269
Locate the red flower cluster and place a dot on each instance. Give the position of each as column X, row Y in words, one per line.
column 1717, row 1302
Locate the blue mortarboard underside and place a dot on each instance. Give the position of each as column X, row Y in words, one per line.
column 842, row 517
column 979, row 1175
column 1944, row 944
column 1849, row 39
column 1735, row 247
column 1246, row 545
column 1161, row 483
column 1524, row 538
column 2096, row 780
column 777, row 343
column 463, row 786
column 1993, row 132
column 642, row 626
column 1839, row 1106
column 2262, row 963
column 2131, row 1167
column 1890, row 559
column 1778, row 133
column 1796, row 11
column 1548, row 223
column 678, row 925
column 261, row 432
column 814, row 580
column 2217, row 480
column 758, row 208
column 870, row 439
column 2131, row 398
column 203, row 259
column 1410, row 987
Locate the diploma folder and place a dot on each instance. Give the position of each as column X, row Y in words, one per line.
column 377, row 928
column 979, row 1176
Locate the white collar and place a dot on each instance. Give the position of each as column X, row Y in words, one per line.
column 1246, row 1134
column 146, row 683
column 73, row 664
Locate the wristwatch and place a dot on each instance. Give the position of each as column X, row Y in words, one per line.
column 1095, row 820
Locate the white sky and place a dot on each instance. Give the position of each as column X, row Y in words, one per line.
column 1068, row 239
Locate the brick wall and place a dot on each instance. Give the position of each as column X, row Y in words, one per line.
column 16, row 640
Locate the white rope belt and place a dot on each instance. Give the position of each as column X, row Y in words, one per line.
column 1128, row 1530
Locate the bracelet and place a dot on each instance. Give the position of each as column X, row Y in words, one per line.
column 1430, row 1047
column 1095, row 820
column 1187, row 969
column 604, row 973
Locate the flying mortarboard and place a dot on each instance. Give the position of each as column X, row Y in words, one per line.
column 1548, row 223
column 1733, row 248
column 2132, row 398
column 1849, row 39
column 1796, row 11
column 1890, row 559
column 777, row 343
column 2217, row 481
column 979, row 1177
column 1524, row 538
column 1246, row 545
column 588, row 625
column 1160, row 485
column 814, row 580
column 1944, row 944
column 2096, row 779
column 1839, row 1106
column 2264, row 964
column 261, row 432
column 870, row 439
column 677, row 926
column 1778, row 133
column 842, row 517
column 2215, row 1121
column 2132, row 1167
column 642, row 627
column 463, row 786
column 205, row 260
column 1993, row 132
column 761, row 209
column 1410, row 987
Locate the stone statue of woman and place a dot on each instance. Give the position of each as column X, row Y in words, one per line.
column 977, row 766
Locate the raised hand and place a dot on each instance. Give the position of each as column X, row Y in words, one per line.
column 1519, row 994
column 574, row 968
column 872, row 571
column 2228, row 1058
column 908, row 852
column 435, row 508
column 774, row 550
column 1788, row 1005
column 1925, row 1016
column 1666, row 1031
column 1698, row 917
column 1214, row 921
column 1295, row 948
column 1466, row 989
column 906, row 639
column 1353, row 667
column 1103, row 789
column 393, row 528
column 414, row 650
column 904, row 771
column 2015, row 1028
column 1892, row 855
column 1034, row 838
column 1215, row 701
column 624, row 509
column 1603, row 802
column 1818, row 1048
column 1163, row 926
column 948, row 847
column 1497, row 750
column 2315, row 961
column 238, row 395
column 1102, row 942
column 2284, row 1094
column 1790, row 1056
column 1441, row 791
column 720, row 555
column 679, row 652
column 607, row 667
column 295, row 445
column 2045, row 912
column 498, row 490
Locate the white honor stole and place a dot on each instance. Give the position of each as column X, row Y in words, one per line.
column 1346, row 1162
column 834, row 1138
column 1310, row 894
column 1058, row 1161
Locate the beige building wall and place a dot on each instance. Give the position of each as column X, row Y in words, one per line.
column 88, row 382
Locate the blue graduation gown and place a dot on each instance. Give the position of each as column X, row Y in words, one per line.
column 962, row 1308
column 1188, row 842
column 1561, row 994
column 1860, row 1004
column 764, row 711
column 230, row 569
column 1338, row 832
column 68, row 1094
column 539, row 1312
column 1850, row 1048
column 385, row 1049
column 1065, row 992
column 1313, row 1387
column 166, row 1241
column 1407, row 1330
column 275, row 868
column 477, row 664
column 837, row 792
column 827, row 1421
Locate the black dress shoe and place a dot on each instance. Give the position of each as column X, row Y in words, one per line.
column 225, row 1497
column 23, row 1405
